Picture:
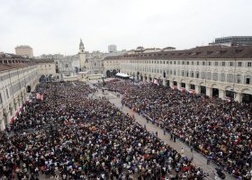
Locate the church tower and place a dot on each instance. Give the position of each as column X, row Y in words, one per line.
column 82, row 57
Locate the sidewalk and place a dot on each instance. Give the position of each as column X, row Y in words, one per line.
column 198, row 159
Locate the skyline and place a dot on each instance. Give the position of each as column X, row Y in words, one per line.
column 52, row 27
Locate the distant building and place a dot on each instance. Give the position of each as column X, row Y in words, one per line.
column 233, row 41
column 215, row 71
column 112, row 48
column 24, row 50
column 95, row 62
column 69, row 65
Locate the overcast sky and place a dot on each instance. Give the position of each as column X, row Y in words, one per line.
column 56, row 26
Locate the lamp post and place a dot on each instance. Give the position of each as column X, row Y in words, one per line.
column 53, row 132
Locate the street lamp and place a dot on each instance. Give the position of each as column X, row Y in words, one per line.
column 53, row 133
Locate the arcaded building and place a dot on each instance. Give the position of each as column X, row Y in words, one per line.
column 18, row 77
column 220, row 71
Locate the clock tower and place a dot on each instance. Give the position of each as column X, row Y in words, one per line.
column 82, row 56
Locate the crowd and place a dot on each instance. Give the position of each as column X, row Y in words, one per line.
column 220, row 130
column 70, row 135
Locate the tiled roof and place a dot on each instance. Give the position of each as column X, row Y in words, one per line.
column 198, row 52
column 4, row 67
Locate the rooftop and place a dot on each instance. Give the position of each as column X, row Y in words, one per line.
column 217, row 51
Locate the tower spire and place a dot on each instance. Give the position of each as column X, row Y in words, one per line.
column 81, row 46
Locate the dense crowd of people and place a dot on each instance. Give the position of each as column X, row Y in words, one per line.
column 70, row 135
column 219, row 129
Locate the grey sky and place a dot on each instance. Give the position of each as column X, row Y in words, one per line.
column 56, row 26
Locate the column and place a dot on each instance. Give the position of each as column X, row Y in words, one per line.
column 209, row 91
column 178, row 85
column 197, row 89
column 238, row 97
column 222, row 94
column 164, row 82
column 187, row 87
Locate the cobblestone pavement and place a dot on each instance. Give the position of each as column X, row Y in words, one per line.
column 198, row 159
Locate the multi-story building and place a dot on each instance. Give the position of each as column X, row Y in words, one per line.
column 18, row 77
column 95, row 62
column 24, row 50
column 112, row 48
column 212, row 70
column 233, row 41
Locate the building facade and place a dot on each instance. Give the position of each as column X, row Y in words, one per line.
column 24, row 50
column 211, row 70
column 112, row 48
column 95, row 62
column 18, row 78
column 233, row 41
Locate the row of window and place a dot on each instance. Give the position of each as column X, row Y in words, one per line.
column 15, row 87
column 203, row 63
column 13, row 73
column 231, row 78
column 45, row 65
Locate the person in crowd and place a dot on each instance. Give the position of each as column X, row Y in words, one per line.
column 69, row 135
column 212, row 126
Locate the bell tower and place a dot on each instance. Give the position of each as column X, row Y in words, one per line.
column 82, row 56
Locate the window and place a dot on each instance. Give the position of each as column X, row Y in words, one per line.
column 170, row 62
column 7, row 93
column 249, row 64
column 215, row 76
column 187, row 74
column 223, row 77
column 230, row 78
column 192, row 74
column 1, row 100
column 209, row 63
column 192, row 62
column 187, row 62
column 209, row 75
column 238, row 78
column 239, row 64
column 183, row 62
column 178, row 62
column 216, row 63
column 203, row 75
column 174, row 62
column 197, row 62
column 203, row 63
column 231, row 64
column 174, row 72
column 183, row 73
column 223, row 63
column 247, row 80
column 197, row 74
